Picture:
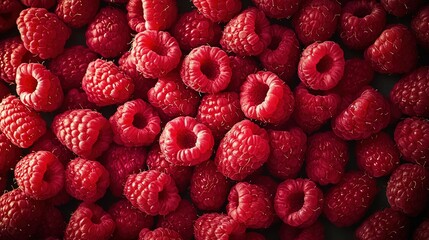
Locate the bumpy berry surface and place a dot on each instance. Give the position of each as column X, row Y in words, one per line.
column 278, row 8
column 76, row 98
column 217, row 226
column 39, row 3
column 422, row 231
column 49, row 142
column 77, row 13
column 181, row 220
column 358, row 73
column 313, row 232
column 151, row 14
column 241, row 67
column 52, row 225
column 9, row 154
column 420, row 26
column 10, row 10
column 400, row 8
column 218, row 11
column 159, row 233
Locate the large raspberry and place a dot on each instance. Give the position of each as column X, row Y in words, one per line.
column 278, row 8
column 358, row 73
column 420, row 26
column 77, row 13
column 400, row 8
column 181, row 220
column 219, row 10
column 217, row 226
column 9, row 154
column 9, row 12
column 241, row 67
column 49, row 142
column 151, row 14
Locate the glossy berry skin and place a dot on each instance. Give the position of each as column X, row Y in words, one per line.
column 218, row 11
column 358, row 73
column 241, row 67
column 400, row 8
column 278, row 9
column 77, row 13
column 181, row 220
column 217, row 226
column 10, row 9
column 159, row 233
column 151, row 14
column 420, row 26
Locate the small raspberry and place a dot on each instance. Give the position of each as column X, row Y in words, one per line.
column 420, row 26
column 218, row 11
column 9, row 12
column 151, row 14
column 313, row 232
column 52, row 224
column 400, row 8
column 77, row 13
column 358, row 73
column 76, row 98
column 49, row 142
column 181, row 220
column 159, row 234
column 39, row 3
column 278, row 8
column 241, row 67
column 218, row 226
column 422, row 231
column 9, row 155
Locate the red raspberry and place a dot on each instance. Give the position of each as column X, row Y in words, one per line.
column 206, row 69
column 39, row 3
column 420, row 26
column 22, row 126
column 247, row 34
column 321, row 66
column 76, row 99
column 89, row 221
column 316, row 20
column 186, row 142
column 218, row 226
column 313, row 232
column 71, row 65
column 106, row 89
column 244, row 149
column 155, row 53
column 61, row 199
column 9, row 11
column 361, row 22
column 108, row 34
column 400, row 8
column 120, row 162
column 384, row 224
column 85, row 132
column 347, row 202
column 151, row 14
column 48, row 142
column 250, row 205
column 42, row 32
column 209, row 188
column 181, row 220
column 408, row 189
column 394, row 51
column 357, row 74
column 298, row 202
column 159, row 234
column 266, row 182
column 86, row 180
column 366, row 115
column 52, row 224
column 241, row 67
column 77, row 13
column 412, row 138
column 152, row 192
column 218, row 11
column 278, row 8
column 38, row 88
column 192, row 30
column 287, row 151
column 128, row 220
column 411, row 93
column 422, row 231
column 9, row 155
column 219, row 112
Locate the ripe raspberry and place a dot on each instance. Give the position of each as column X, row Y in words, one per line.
column 159, row 234
column 316, row 21
column 218, row 11
column 152, row 192
column 89, row 221
column 39, row 3
column 85, row 132
column 313, row 232
column 181, row 220
column 408, row 189
column 108, row 34
column 22, row 126
column 400, row 8
column 266, row 182
column 9, row 11
column 120, row 162
column 347, row 202
column 243, row 150
column 412, row 138
column 106, row 89
column 420, row 26
column 42, row 32
column 384, row 224
column 77, row 13
column 48, row 142
column 241, row 67
column 247, row 34
column 366, row 115
column 278, row 8
column 218, row 226
column 128, row 220
column 206, row 69
column 52, row 224
column 155, row 53
column 209, row 188
column 71, row 65
column 394, row 51
column 86, row 180
column 61, row 199
column 422, row 231
column 9, row 155
column 357, row 74
column 76, row 99
column 151, row 14
column 38, row 88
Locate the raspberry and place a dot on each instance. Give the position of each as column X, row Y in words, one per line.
column 48, row 142
column 4, row 91
column 77, row 13
column 384, row 224
column 241, row 67
column 244, row 149
column 76, row 99
column 86, row 180
column 357, row 74
column 408, row 189
column 298, row 202
column 108, row 34
column 206, row 69
column 53, row 225
column 192, row 30
column 9, row 154
column 106, row 89
column 38, row 88
column 282, row 54
column 128, row 220
column 361, row 22
column 152, row 192
column 218, row 11
column 250, row 205
column 9, row 12
column 420, row 26
column 412, row 138
column 209, row 188
column 400, row 8
column 366, row 115
column 316, row 21
column 71, row 65
column 217, row 226
column 151, row 14
column 321, row 66
column 394, row 51
column 186, row 142
column 181, row 220
column 347, row 202
column 42, row 32
column 159, row 233
column 86, row 133
column 422, row 231
column 411, row 93
column 22, row 126
column 247, row 34
column 39, row 3
column 120, row 162
column 266, row 182
column 155, row 53
column 313, row 232
column 278, row 9
column 89, row 221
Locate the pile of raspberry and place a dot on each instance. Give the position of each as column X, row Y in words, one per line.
column 214, row 119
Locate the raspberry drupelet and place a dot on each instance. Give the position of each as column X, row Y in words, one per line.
column 151, row 14
column 218, row 226
column 219, row 10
